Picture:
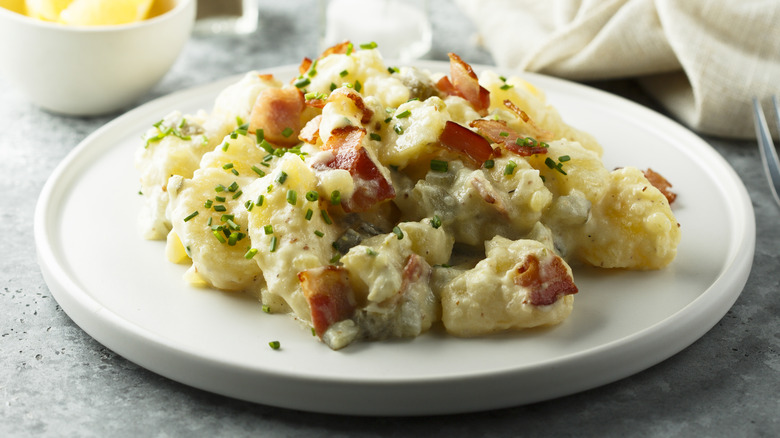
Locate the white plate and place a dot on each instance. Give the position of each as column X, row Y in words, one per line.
column 120, row 289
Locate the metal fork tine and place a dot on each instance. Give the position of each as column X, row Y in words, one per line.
column 766, row 146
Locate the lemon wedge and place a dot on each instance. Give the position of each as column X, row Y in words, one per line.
column 48, row 10
column 104, row 12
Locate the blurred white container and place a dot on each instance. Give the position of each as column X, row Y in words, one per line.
column 86, row 71
column 401, row 28
column 227, row 17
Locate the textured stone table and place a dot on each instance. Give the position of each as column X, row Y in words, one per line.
column 55, row 380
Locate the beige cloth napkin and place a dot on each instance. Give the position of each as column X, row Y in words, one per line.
column 703, row 60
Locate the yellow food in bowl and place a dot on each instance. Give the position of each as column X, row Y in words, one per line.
column 85, row 12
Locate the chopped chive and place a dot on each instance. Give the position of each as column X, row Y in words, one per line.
column 506, row 86
column 375, row 136
column 219, row 188
column 371, row 252
column 220, row 208
column 287, row 132
column 250, row 253
column 350, row 47
column 282, row 177
column 266, row 146
column 326, row 217
column 260, row 200
column 333, row 86
column 209, row 222
column 358, row 86
column 368, row 46
column 439, row 165
column 268, row 229
column 550, row 163
column 233, row 239
column 220, row 198
column 208, row 203
column 292, row 197
column 234, row 172
column 225, row 146
column 312, row 195
column 403, row 114
column 191, row 215
column 526, row 142
column 233, row 226
column 302, row 82
column 227, row 166
column 335, row 197
column 233, row 135
column 270, row 188
column 233, row 187
column 398, row 232
column 309, row 214
column 249, row 205
column 225, row 217
column 436, row 221
column 564, row 158
column 266, row 308
column 237, row 194
column 319, row 233
column 275, row 345
column 503, row 134
column 218, row 235
column 335, row 259
column 392, row 70
column 343, row 73
column 258, row 170
column 510, row 168
column 489, row 164
column 398, row 129
column 273, row 243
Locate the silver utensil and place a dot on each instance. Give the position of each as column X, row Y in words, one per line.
column 767, row 147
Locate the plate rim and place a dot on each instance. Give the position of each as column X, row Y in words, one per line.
column 80, row 306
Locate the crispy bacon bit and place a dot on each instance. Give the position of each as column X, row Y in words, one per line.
column 415, row 269
column 463, row 82
column 277, row 111
column 265, row 77
column 338, row 49
column 464, row 141
column 498, row 132
column 329, row 294
column 546, row 282
column 305, row 66
column 489, row 194
column 371, row 186
column 311, row 131
column 533, row 129
column 661, row 184
column 355, row 97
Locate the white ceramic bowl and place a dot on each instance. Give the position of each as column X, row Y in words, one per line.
column 85, row 71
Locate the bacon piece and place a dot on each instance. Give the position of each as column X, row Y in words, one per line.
column 497, row 131
column 661, row 184
column 489, row 194
column 463, row 82
column 354, row 96
column 546, row 282
column 464, row 141
column 311, row 131
column 305, row 65
column 275, row 111
column 415, row 269
column 371, row 186
column 338, row 49
column 533, row 129
column 329, row 294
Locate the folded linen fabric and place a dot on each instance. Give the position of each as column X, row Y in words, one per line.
column 703, row 60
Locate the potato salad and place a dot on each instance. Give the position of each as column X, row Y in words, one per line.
column 371, row 201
